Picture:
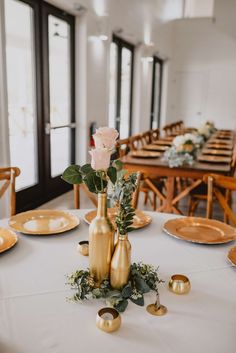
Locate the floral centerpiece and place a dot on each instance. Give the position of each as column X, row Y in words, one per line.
column 183, row 150
column 206, row 130
column 96, row 177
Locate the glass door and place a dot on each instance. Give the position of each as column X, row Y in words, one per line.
column 121, row 77
column 40, row 64
column 156, row 93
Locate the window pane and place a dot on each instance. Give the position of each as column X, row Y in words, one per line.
column 125, row 92
column 156, row 95
column 21, row 91
column 60, row 150
column 59, row 71
column 113, row 85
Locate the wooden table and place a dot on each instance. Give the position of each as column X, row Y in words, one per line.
column 153, row 168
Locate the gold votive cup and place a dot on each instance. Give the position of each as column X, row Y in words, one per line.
column 83, row 247
column 108, row 320
column 179, row 284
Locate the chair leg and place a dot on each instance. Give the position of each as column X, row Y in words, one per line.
column 193, row 204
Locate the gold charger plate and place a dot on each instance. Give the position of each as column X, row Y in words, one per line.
column 221, row 142
column 144, row 154
column 43, row 222
column 153, row 147
column 217, row 152
column 8, row 239
column 141, row 219
column 214, row 159
column 162, row 142
column 200, row 230
column 232, row 256
column 218, row 146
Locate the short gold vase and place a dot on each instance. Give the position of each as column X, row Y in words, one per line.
column 101, row 242
column 121, row 262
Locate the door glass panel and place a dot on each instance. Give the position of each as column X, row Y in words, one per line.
column 113, row 85
column 156, row 95
column 126, row 68
column 60, row 150
column 59, row 71
column 19, row 18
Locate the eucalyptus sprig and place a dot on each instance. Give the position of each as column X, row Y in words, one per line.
column 143, row 278
column 123, row 194
column 96, row 180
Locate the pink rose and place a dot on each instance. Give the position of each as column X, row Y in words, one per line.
column 100, row 158
column 105, row 137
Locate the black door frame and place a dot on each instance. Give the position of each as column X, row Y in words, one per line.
column 159, row 61
column 121, row 43
column 46, row 188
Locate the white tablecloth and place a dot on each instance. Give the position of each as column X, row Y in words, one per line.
column 36, row 318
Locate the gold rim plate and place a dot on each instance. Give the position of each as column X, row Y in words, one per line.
column 232, row 256
column 217, row 152
column 141, row 219
column 218, row 146
column 153, row 147
column 163, row 142
column 43, row 222
column 8, row 239
column 200, row 230
column 214, row 159
column 221, row 142
column 144, row 154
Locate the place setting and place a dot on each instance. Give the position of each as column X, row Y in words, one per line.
column 144, row 154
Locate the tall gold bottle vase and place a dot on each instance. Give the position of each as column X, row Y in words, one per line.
column 121, row 262
column 101, row 242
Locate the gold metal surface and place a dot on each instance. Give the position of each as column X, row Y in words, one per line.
column 216, row 152
column 232, row 256
column 101, row 242
column 219, row 146
column 220, row 141
column 179, row 284
column 144, row 154
column 214, row 159
column 200, row 230
column 108, row 320
column 157, row 311
column 83, row 247
column 121, row 262
column 153, row 147
column 43, row 222
column 7, row 239
column 140, row 219
column 163, row 142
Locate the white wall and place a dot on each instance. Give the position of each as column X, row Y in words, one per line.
column 203, row 77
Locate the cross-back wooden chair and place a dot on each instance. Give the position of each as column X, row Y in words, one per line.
column 123, row 147
column 167, row 130
column 8, row 176
column 155, row 134
column 219, row 187
column 136, row 142
column 146, row 137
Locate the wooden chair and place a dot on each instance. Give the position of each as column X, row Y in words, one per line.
column 8, row 176
column 154, row 136
column 123, row 147
column 146, row 137
column 219, row 187
column 135, row 142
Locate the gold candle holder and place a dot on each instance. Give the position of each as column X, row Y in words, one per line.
column 179, row 284
column 108, row 320
column 83, row 247
column 157, row 309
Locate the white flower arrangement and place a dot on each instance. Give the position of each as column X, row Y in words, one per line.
column 176, row 158
column 207, row 129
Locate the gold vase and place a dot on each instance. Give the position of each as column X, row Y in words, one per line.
column 101, row 242
column 121, row 262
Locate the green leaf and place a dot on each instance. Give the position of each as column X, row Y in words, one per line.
column 141, row 285
column 139, row 301
column 117, row 164
column 112, row 173
column 72, row 175
column 90, row 182
column 126, row 292
column 121, row 305
column 86, row 168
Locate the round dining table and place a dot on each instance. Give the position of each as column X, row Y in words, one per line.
column 36, row 316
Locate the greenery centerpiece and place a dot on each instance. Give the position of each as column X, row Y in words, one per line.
column 206, row 130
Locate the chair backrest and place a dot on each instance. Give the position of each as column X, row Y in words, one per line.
column 155, row 134
column 221, row 187
column 123, row 147
column 146, row 137
column 167, row 129
column 8, row 176
column 91, row 196
column 136, row 142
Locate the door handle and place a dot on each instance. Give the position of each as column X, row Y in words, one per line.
column 49, row 127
